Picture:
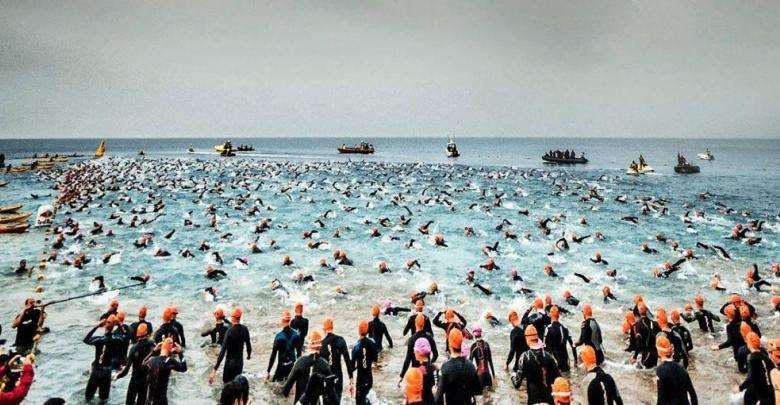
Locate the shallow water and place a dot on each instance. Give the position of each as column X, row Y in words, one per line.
column 175, row 280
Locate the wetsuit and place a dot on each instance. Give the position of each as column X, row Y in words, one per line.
column 674, row 385
column 685, row 335
column 600, row 389
column 311, row 366
column 300, row 324
column 233, row 352
column 410, row 360
column 410, row 324
column 538, row 319
column 333, row 349
column 742, row 355
column 394, row 311
column 517, row 346
column 704, row 318
column 108, row 313
column 364, row 354
column 590, row 335
column 167, row 330
column 757, row 385
column 107, row 347
column 378, row 331
column 429, row 382
column 26, row 330
column 218, row 332
column 483, row 361
column 557, row 341
column 136, row 389
column 539, row 370
column 646, row 351
column 180, row 329
column 121, row 359
column 733, row 339
column 680, row 354
column 458, row 383
column 134, row 328
column 287, row 347
column 160, row 368
column 447, row 326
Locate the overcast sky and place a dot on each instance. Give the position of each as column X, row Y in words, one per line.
column 389, row 68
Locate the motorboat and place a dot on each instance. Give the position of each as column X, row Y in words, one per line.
column 363, row 148
column 685, row 167
column 639, row 168
column 707, row 155
column 10, row 219
column 565, row 160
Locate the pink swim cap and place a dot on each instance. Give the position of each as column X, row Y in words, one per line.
column 477, row 332
column 422, row 347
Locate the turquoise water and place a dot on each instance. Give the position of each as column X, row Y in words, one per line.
column 294, row 179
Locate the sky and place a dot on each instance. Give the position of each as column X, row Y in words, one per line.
column 469, row 68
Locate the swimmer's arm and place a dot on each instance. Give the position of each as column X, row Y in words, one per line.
column 434, row 350
column 438, row 322
column 222, row 351
column 347, row 361
column 92, row 340
column 407, row 359
column 273, row 357
column 387, row 335
column 248, row 345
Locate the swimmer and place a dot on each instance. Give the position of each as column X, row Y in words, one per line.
column 606, row 292
column 214, row 274
column 598, row 260
column 548, row 269
column 704, row 317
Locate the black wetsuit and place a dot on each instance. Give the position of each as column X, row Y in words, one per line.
column 180, row 329
column 539, row 370
column 685, row 335
column 137, row 388
column 364, row 354
column 311, row 366
column 483, row 361
column 447, row 327
column 601, row 388
column 757, row 385
column 458, row 383
column 287, row 347
column 411, row 328
column 517, row 346
column 233, row 352
column 590, row 334
column 430, row 375
column 334, row 348
column 645, row 349
column 538, row 319
column 410, row 360
column 704, row 318
column 557, row 341
column 107, row 347
column 300, row 324
column 378, row 331
column 217, row 333
column 167, row 330
column 674, row 385
column 733, row 339
column 160, row 368
column 27, row 329
column 120, row 360
column 680, row 354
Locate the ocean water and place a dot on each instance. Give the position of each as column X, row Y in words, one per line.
column 296, row 181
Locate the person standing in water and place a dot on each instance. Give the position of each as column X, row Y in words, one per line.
column 377, row 329
column 757, row 385
column 557, row 340
column 410, row 360
column 419, row 306
column 538, row 368
column 167, row 329
column 598, row 386
column 701, row 315
column 458, row 381
column 673, row 382
column 107, row 348
column 287, row 347
column 311, row 376
column 334, row 348
column 590, row 334
column 299, row 323
column 221, row 326
column 517, row 345
column 364, row 354
column 233, row 349
column 141, row 320
column 143, row 347
column 479, row 353
column 26, row 324
column 160, row 367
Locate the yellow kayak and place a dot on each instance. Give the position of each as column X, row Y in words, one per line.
column 8, row 209
column 15, row 218
column 19, row 169
column 19, row 228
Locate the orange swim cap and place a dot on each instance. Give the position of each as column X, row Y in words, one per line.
column 142, row 312
column 449, row 314
column 730, row 312
column 566, row 294
column 699, row 300
column 675, row 316
column 286, row 317
column 375, row 310
column 363, row 327
column 419, row 322
column 663, row 346
column 588, row 355
column 114, row 304
column 237, row 313
column 315, row 341
column 121, row 315
column 455, row 339
column 413, row 385
column 744, row 312
column 219, row 313
column 327, row 325
column 660, row 316
column 753, row 341
column 735, row 299
column 167, row 315
column 298, row 308
column 775, row 300
column 142, row 330
column 555, row 313
column 538, row 304
column 688, row 307
column 587, row 311
column 174, row 310
column 638, row 298
column 744, row 329
column 630, row 320
column 561, row 391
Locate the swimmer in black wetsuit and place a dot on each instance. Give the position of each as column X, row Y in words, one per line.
column 221, row 326
column 233, row 349
column 287, row 347
column 377, row 329
column 299, row 323
column 673, row 382
column 364, row 354
column 143, row 348
column 160, row 368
